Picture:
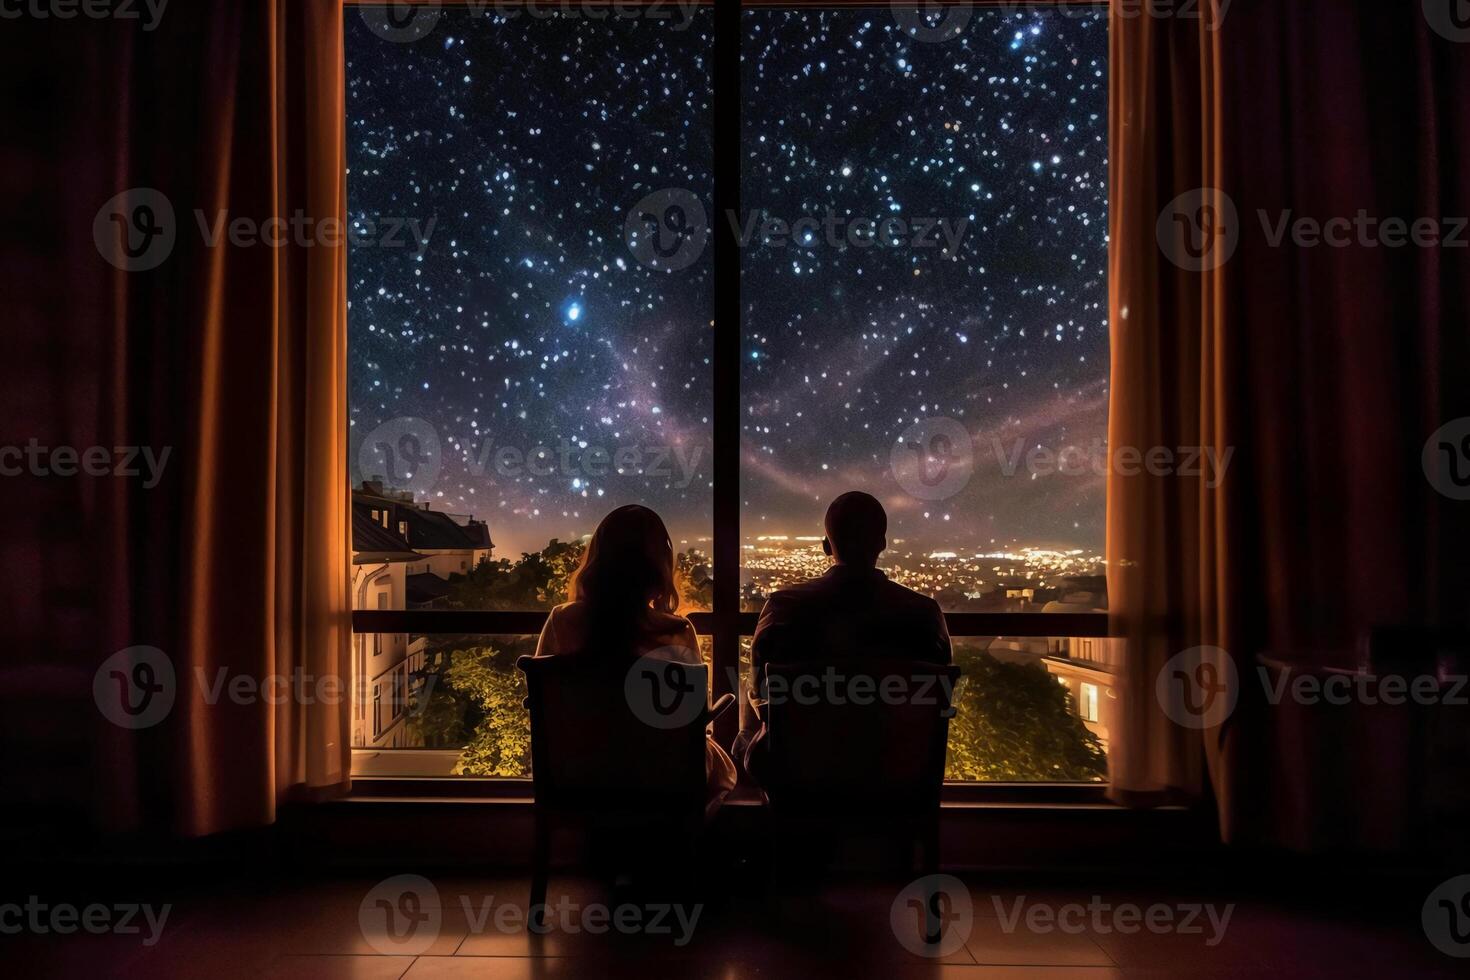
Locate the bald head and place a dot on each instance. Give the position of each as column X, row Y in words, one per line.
column 857, row 529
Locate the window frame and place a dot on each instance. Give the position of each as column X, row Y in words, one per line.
column 725, row 623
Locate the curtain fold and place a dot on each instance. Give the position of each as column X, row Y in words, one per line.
column 1168, row 561
column 266, row 547
column 1324, row 369
column 228, row 356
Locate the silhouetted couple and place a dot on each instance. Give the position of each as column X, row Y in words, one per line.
column 624, row 601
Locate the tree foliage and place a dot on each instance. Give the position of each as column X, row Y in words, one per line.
column 1013, row 723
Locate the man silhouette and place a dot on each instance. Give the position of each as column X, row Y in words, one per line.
column 851, row 611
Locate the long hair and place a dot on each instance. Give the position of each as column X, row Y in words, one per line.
column 626, row 571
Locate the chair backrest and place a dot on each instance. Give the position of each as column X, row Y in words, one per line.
column 858, row 735
column 619, row 736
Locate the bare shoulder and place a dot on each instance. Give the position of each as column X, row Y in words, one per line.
column 668, row 624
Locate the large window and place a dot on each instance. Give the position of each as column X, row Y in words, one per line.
column 727, row 265
column 512, row 362
column 924, row 295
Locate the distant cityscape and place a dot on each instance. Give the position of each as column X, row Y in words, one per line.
column 969, row 580
column 408, row 556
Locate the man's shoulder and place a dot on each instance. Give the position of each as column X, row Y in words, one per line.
column 893, row 593
column 809, row 589
column 883, row 591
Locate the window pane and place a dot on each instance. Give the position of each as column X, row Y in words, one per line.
column 460, row 713
column 515, row 370
column 444, row 705
column 1027, row 709
column 1022, row 709
column 925, row 298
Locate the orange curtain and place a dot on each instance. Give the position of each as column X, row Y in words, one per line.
column 1324, row 371
column 268, row 548
column 1169, row 566
column 267, row 545
column 234, row 354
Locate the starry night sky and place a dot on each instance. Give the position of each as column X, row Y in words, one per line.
column 528, row 321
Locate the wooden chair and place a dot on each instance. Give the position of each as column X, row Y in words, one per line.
column 600, row 760
column 861, row 757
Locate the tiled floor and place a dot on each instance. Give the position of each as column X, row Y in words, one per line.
column 462, row 926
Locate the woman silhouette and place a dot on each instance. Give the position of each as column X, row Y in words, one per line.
column 623, row 605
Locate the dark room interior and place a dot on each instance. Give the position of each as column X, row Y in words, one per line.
column 735, row 488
